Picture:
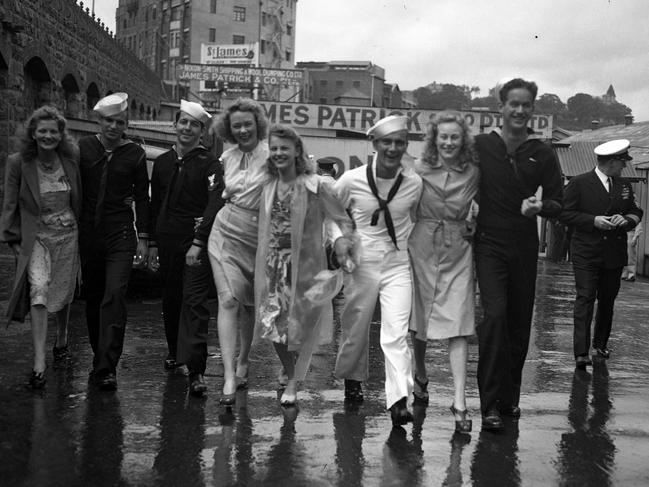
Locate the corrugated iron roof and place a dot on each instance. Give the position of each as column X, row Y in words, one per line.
column 578, row 158
column 637, row 133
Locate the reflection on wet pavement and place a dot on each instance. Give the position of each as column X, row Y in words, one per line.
column 578, row 427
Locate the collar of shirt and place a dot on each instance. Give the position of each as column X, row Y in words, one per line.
column 530, row 133
column 602, row 177
column 425, row 166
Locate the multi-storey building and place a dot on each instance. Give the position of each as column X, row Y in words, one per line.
column 166, row 33
column 359, row 83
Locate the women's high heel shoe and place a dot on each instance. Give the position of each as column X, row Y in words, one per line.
column 37, row 379
column 421, row 396
column 463, row 425
column 227, row 399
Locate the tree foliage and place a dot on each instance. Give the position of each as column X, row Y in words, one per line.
column 451, row 96
column 577, row 114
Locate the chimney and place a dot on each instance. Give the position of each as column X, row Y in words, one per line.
column 628, row 119
column 594, row 125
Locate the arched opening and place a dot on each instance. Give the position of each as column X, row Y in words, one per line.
column 4, row 73
column 71, row 106
column 92, row 96
column 141, row 111
column 148, row 113
column 7, row 109
column 38, row 84
column 154, row 115
column 133, row 111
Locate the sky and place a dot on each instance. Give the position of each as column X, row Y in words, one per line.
column 566, row 46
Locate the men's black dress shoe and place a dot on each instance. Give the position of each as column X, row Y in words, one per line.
column 170, row 363
column 603, row 352
column 492, row 421
column 399, row 413
column 353, row 391
column 511, row 411
column 197, row 385
column 582, row 361
column 60, row 353
column 107, row 382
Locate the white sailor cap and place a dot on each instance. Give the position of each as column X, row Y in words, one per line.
column 388, row 125
column 614, row 149
column 195, row 110
column 112, row 104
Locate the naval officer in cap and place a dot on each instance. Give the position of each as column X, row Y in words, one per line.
column 113, row 176
column 601, row 208
column 381, row 198
column 186, row 188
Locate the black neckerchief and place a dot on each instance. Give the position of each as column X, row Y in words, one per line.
column 383, row 204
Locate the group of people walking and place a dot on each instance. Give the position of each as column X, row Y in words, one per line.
column 257, row 228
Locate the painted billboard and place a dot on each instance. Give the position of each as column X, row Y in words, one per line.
column 359, row 119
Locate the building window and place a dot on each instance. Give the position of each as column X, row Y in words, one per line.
column 288, row 55
column 185, row 42
column 263, row 19
column 289, row 30
column 239, row 14
column 153, row 13
column 238, row 39
column 213, row 6
column 339, row 83
column 124, row 23
column 212, row 36
column 323, row 101
column 357, row 84
column 176, row 13
column 175, row 38
column 262, row 46
column 323, row 82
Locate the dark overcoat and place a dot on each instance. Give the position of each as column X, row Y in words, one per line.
column 584, row 198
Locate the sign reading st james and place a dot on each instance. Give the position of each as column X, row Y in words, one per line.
column 239, row 74
column 360, row 119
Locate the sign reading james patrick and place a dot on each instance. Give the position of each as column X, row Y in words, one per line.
column 359, row 119
column 239, row 74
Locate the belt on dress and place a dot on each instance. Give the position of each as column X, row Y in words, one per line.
column 444, row 226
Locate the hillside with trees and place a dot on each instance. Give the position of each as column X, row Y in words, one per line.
column 577, row 113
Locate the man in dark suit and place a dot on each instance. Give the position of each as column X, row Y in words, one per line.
column 601, row 208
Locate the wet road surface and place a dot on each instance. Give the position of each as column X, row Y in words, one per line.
column 578, row 428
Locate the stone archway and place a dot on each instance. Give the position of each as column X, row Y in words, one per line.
column 8, row 102
column 39, row 89
column 71, row 91
column 92, row 96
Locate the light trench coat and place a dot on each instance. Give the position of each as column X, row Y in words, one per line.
column 313, row 201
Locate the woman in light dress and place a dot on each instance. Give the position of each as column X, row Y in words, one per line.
column 441, row 253
column 42, row 201
column 291, row 252
column 233, row 240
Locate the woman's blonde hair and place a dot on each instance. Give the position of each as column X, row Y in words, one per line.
column 303, row 165
column 468, row 154
column 221, row 126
